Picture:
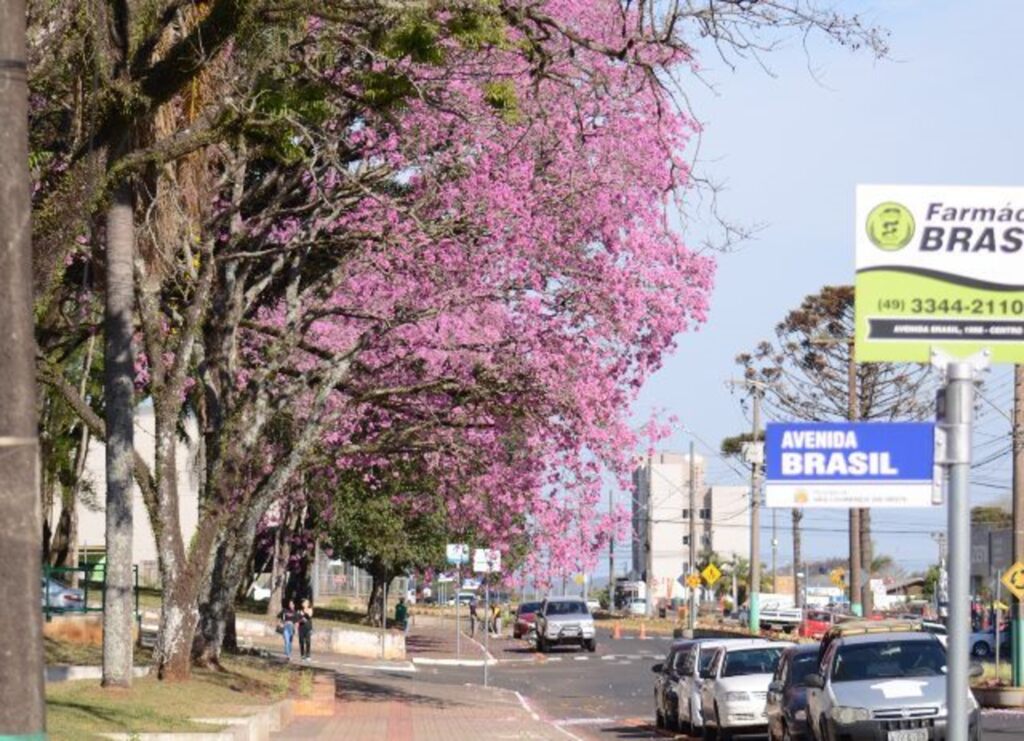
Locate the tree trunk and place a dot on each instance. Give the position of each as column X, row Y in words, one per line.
column 118, row 609
column 867, row 555
column 22, row 707
column 229, row 567
column 282, row 555
column 798, row 595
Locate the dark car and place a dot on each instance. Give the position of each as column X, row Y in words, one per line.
column 526, row 613
column 666, row 699
column 787, row 694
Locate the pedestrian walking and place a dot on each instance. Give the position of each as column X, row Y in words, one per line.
column 286, row 620
column 305, row 629
column 495, row 620
column 401, row 613
column 473, row 617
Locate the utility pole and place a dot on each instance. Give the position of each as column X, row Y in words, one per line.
column 648, row 544
column 1017, row 607
column 611, row 558
column 22, row 708
column 775, row 552
column 755, row 521
column 692, row 621
column 853, row 414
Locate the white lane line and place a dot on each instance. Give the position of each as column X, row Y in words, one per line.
column 406, row 667
column 526, row 707
column 580, row 658
column 610, row 657
column 583, row 721
column 452, row 662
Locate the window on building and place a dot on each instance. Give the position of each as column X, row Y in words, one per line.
column 686, row 567
column 686, row 540
column 686, row 514
column 706, row 540
column 705, row 514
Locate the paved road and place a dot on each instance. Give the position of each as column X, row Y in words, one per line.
column 608, row 694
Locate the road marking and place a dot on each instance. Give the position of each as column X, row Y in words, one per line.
column 406, row 667
column 526, row 707
column 583, row 721
column 580, row 658
column 611, row 657
column 453, row 662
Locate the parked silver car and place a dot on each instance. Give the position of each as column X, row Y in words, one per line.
column 60, row 598
column 881, row 685
column 565, row 621
column 734, row 694
column 694, row 664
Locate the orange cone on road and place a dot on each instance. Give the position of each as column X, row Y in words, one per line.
column 617, row 631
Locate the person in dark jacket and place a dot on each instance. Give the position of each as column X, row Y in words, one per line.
column 305, row 629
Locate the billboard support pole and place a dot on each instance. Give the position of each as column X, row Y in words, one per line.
column 957, row 422
column 1016, row 606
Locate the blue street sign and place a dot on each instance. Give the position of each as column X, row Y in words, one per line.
column 850, row 464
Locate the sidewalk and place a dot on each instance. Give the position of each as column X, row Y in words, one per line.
column 402, row 708
column 433, row 641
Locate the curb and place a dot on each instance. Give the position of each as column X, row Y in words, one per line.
column 257, row 726
column 55, row 674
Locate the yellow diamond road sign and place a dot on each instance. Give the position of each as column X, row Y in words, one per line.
column 1013, row 578
column 838, row 576
column 693, row 581
column 711, row 574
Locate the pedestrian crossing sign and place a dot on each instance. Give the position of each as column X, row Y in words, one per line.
column 711, row 574
column 693, row 581
column 838, row 577
column 1013, row 578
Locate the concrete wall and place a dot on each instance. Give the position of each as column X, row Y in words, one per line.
column 347, row 641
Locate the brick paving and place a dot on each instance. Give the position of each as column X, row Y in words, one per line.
column 404, row 708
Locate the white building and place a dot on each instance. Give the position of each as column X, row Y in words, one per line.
column 661, row 522
column 728, row 528
column 91, row 516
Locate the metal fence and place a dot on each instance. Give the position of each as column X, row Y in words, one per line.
column 333, row 579
column 68, row 589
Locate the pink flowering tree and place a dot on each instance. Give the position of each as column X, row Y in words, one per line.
column 439, row 234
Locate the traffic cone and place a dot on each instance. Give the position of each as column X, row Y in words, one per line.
column 617, row 631
column 643, row 631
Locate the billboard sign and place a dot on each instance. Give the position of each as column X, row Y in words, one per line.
column 850, row 464
column 486, row 560
column 456, row 553
column 939, row 267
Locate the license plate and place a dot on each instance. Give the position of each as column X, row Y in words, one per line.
column 916, row 734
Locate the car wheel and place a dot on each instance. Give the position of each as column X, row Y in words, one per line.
column 980, row 650
column 724, row 734
column 542, row 645
column 590, row 645
column 659, row 719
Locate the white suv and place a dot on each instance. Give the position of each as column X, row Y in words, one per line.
column 735, row 691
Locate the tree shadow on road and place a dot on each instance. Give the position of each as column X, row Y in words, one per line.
column 364, row 689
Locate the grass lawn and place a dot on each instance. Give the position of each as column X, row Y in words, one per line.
column 83, row 709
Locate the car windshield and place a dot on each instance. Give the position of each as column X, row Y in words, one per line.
column 858, row 662
column 751, row 661
column 528, row 608
column 800, row 666
column 566, row 608
column 821, row 617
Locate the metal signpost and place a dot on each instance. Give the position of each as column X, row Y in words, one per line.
column 486, row 561
column 457, row 554
column 937, row 281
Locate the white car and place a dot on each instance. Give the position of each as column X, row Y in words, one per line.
column 735, row 692
column 694, row 662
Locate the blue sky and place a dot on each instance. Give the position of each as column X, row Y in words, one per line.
column 790, row 148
